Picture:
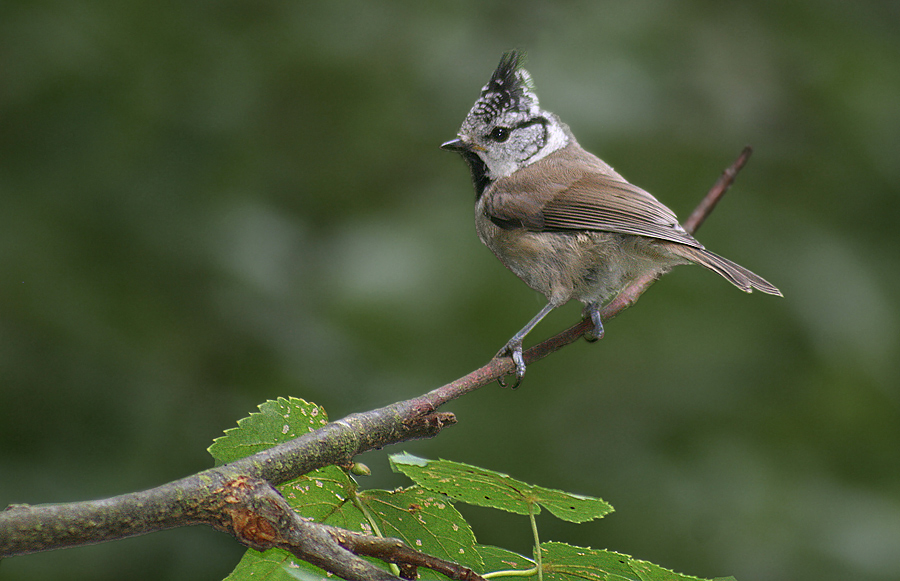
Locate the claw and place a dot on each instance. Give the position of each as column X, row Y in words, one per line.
column 593, row 311
column 513, row 349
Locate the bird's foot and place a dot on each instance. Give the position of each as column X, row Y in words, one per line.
column 513, row 349
column 593, row 311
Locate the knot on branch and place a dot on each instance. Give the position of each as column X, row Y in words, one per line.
column 252, row 511
column 429, row 424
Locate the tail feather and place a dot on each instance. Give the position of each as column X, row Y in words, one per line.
column 734, row 273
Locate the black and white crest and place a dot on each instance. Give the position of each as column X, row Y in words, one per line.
column 506, row 129
column 510, row 88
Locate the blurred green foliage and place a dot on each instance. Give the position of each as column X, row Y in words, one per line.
column 204, row 205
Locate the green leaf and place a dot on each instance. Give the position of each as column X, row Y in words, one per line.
column 427, row 522
column 483, row 487
column 326, row 496
column 499, row 559
column 272, row 565
column 650, row 572
column 318, row 495
column 276, row 421
column 304, row 571
column 276, row 565
column 562, row 562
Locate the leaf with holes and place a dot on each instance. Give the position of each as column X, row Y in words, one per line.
column 427, row 522
column 483, row 487
column 321, row 495
column 273, row 565
column 499, row 559
column 277, row 421
column 326, row 496
column 562, row 562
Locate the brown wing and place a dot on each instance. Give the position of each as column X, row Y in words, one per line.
column 599, row 202
column 573, row 190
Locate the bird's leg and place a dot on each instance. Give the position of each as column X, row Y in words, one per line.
column 593, row 311
column 513, row 347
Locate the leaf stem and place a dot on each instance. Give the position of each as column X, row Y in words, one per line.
column 362, row 508
column 512, row 573
column 354, row 498
column 537, row 542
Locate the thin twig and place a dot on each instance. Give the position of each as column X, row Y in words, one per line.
column 708, row 203
column 396, row 551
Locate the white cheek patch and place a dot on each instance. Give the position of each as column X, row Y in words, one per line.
column 556, row 139
column 499, row 168
column 504, row 159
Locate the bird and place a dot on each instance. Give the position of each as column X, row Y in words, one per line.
column 560, row 218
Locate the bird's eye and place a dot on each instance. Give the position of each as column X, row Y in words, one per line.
column 499, row 134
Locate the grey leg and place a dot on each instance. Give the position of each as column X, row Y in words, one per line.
column 513, row 347
column 593, row 311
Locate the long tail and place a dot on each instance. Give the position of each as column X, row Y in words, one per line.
column 735, row 273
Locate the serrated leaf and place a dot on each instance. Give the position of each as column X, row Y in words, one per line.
column 272, row 565
column 483, row 487
column 276, row 421
column 276, row 565
column 571, row 507
column 649, row 572
column 304, row 571
column 563, row 562
column 499, row 559
column 427, row 522
column 325, row 496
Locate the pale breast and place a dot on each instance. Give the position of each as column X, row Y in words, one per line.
column 588, row 266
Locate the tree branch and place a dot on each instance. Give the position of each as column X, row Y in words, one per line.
column 396, row 551
column 239, row 497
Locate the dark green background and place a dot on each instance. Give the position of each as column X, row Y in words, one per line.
column 207, row 204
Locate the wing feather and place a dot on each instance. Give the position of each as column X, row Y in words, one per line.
column 601, row 202
column 572, row 189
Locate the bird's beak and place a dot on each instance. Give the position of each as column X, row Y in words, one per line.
column 455, row 145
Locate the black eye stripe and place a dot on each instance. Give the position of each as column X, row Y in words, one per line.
column 535, row 121
column 544, row 135
column 500, row 133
